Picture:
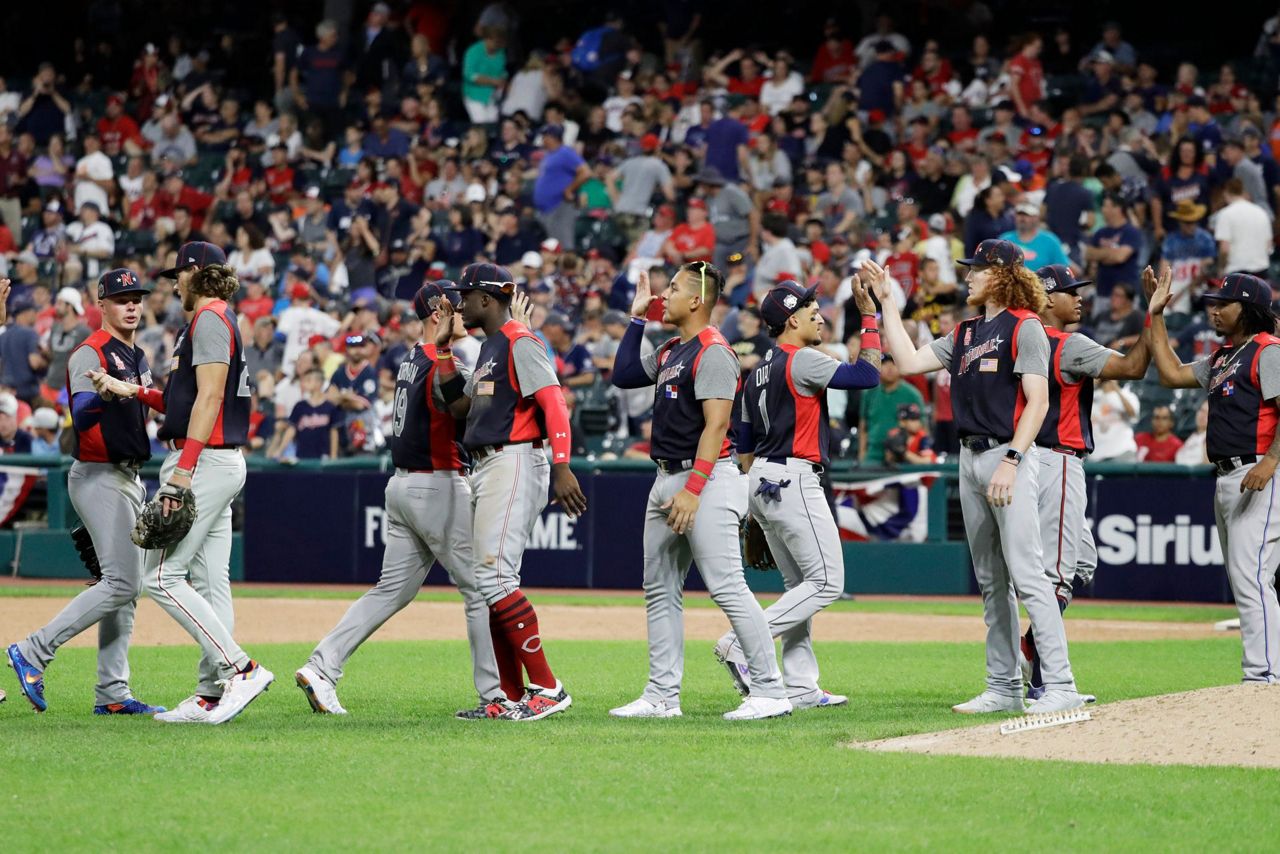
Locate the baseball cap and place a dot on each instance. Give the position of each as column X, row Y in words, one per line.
column 552, row 130
column 72, row 297
column 313, row 192
column 21, row 304
column 44, row 418
column 1028, row 209
column 474, row 193
column 428, row 297
column 1241, row 287
column 699, row 203
column 300, row 291
column 938, row 222
column 53, row 206
column 551, row 245
column 1058, row 279
column 490, row 278
column 994, row 253
column 909, row 410
column 558, row 319
column 614, row 317
column 649, row 142
column 198, row 254
column 531, row 259
column 115, row 282
column 356, row 340
column 8, row 404
column 665, row 210
column 783, row 301
column 27, row 257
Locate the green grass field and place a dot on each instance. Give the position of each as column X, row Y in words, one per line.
column 399, row 772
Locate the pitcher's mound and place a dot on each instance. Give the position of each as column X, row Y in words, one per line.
column 1211, row 726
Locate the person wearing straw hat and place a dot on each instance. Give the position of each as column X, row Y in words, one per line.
column 1190, row 252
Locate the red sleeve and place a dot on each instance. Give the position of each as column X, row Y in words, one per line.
column 153, row 398
column 550, row 400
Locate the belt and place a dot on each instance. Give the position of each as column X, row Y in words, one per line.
column 983, row 443
column 131, row 464
column 401, row 472
column 488, row 450
column 1230, row 464
column 1070, row 452
column 673, row 466
column 818, row 468
column 177, row 445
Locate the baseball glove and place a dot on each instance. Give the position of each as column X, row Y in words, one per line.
column 155, row 530
column 755, row 548
column 88, row 555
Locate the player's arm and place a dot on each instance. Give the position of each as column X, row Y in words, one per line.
column 1264, row 469
column 715, row 385
column 1174, row 373
column 453, row 386
column 863, row 372
column 1032, row 366
column 537, row 379
column 745, row 434
column 630, row 368
column 899, row 344
column 1133, row 364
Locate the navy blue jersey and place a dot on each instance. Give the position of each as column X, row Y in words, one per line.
column 986, row 395
column 363, row 382
column 785, row 422
column 1241, row 421
column 121, row 432
column 313, row 423
column 501, row 412
column 424, row 436
column 1068, row 422
column 231, row 426
column 678, row 421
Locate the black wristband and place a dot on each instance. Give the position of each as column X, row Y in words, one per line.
column 454, row 388
column 1013, row 456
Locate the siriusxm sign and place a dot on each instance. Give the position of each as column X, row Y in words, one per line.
column 1124, row 539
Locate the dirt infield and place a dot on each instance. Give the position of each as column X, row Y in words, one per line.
column 1211, row 726
column 307, row 620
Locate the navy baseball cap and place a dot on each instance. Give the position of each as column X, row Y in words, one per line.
column 490, row 278
column 197, row 254
column 119, row 281
column 909, row 410
column 1241, row 287
column 994, row 253
column 428, row 297
column 783, row 301
column 1057, row 279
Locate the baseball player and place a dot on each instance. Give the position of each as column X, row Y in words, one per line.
column 1243, row 381
column 206, row 405
column 110, row 444
column 1066, row 438
column 513, row 405
column 699, row 496
column 999, row 365
column 428, row 508
column 784, row 446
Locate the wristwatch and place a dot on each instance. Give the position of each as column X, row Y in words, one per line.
column 1014, row 456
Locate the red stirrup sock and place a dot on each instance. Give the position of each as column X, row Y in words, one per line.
column 517, row 620
column 508, row 664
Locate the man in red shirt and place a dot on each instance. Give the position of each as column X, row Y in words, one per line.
column 184, row 195
column 904, row 265
column 694, row 240
column 963, row 135
column 279, row 175
column 118, row 131
column 1161, row 444
column 1027, row 74
column 835, row 60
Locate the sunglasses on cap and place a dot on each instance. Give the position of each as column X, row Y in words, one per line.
column 505, row 287
column 735, row 258
column 355, row 340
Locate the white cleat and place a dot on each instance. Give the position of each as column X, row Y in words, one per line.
column 642, row 708
column 1056, row 701
column 821, row 700
column 729, row 653
column 989, row 702
column 320, row 692
column 759, row 708
column 241, row 690
column 189, row 711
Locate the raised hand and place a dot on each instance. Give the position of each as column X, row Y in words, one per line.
column 1159, row 298
column 644, row 297
column 444, row 323
column 876, row 278
column 862, row 296
column 521, row 308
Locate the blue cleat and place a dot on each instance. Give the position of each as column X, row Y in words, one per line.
column 29, row 679
column 129, row 707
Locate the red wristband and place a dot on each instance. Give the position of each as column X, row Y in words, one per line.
column 699, row 477
column 152, row 397
column 1147, row 325
column 870, row 341
column 190, row 453
column 869, row 321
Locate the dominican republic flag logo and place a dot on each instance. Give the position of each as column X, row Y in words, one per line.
column 672, row 391
column 1228, row 389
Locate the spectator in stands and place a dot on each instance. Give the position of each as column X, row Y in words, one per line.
column 880, row 83
column 484, row 73
column 1040, row 248
column 66, row 334
column 736, row 221
column 1248, row 173
column 43, row 427
column 43, row 112
column 312, row 426
column 555, row 191
column 1190, row 252
column 1026, row 74
column 636, row 180
column 12, row 439
column 1102, row 87
column 1244, row 233
column 1161, row 444
column 1114, row 249
column 839, row 205
column 1068, row 207
column 1121, row 325
column 91, row 243
column 726, row 144
column 780, row 260
column 1115, row 408
column 574, row 365
column 909, row 442
column 118, row 130
column 316, row 82
column 878, row 411
column 989, row 218
column 835, row 59
column 251, row 259
column 299, row 322
column 694, row 239
column 752, row 342
column 1194, row 451
column 22, row 365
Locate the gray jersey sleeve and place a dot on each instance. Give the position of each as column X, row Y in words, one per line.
column 1033, row 350
column 943, row 349
column 210, row 341
column 533, row 368
column 649, row 360
column 81, row 362
column 717, row 376
column 1200, row 367
column 1269, row 372
column 811, row 371
column 1083, row 357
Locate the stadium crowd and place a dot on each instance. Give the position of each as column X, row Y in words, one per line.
column 347, row 167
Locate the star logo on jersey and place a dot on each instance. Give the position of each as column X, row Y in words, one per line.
column 973, row 354
column 485, row 370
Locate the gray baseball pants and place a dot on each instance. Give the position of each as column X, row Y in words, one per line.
column 1249, row 528
column 509, row 490
column 1065, row 536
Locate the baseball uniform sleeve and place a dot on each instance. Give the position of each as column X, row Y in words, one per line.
column 81, row 362
column 435, row 382
column 210, row 341
column 1033, row 350
column 533, row 368
column 717, row 375
column 1200, row 367
column 1269, row 372
column 943, row 348
column 1084, row 357
column 811, row 371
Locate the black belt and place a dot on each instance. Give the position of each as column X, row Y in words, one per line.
column 1070, row 452
column 488, row 450
column 818, row 468
column 178, row 444
column 983, row 443
column 1230, row 464
column 673, row 466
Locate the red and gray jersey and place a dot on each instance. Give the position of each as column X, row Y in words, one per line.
column 121, row 432
column 1242, row 381
column 785, row 402
column 986, row 359
column 211, row 337
column 1074, row 362
column 685, row 374
column 512, row 367
column 424, row 436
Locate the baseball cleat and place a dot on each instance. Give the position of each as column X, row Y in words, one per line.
column 821, row 700
column 192, row 710
column 29, row 679
column 1056, row 701
column 539, row 703
column 241, row 690
column 320, row 692
column 1034, row 692
column 988, row 702
column 759, row 708
column 643, row 708
column 128, row 707
column 3, row 695
column 730, row 654
column 487, row 711
column 1089, row 698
